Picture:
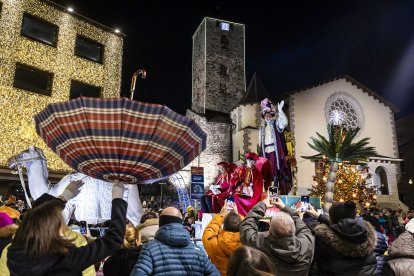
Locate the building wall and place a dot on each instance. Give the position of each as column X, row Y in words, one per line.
column 17, row 131
column 218, row 148
column 218, row 68
column 308, row 117
column 199, row 69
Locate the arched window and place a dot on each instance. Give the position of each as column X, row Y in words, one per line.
column 382, row 180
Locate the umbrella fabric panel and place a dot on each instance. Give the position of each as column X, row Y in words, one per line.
column 120, row 139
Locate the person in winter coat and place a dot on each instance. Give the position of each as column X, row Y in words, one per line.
column 218, row 243
column 289, row 244
column 401, row 254
column 7, row 229
column 41, row 248
column 381, row 247
column 149, row 226
column 123, row 260
column 346, row 247
column 172, row 251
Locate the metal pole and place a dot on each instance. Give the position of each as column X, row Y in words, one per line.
column 143, row 74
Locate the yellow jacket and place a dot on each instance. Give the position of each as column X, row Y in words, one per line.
column 219, row 244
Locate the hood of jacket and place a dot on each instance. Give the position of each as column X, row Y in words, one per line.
column 403, row 246
column 288, row 249
column 228, row 241
column 173, row 234
column 148, row 222
column 349, row 237
column 20, row 263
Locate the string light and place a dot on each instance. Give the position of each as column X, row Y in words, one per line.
column 20, row 106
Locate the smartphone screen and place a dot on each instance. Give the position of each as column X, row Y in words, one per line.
column 273, row 193
column 83, row 227
column 230, row 205
column 305, row 203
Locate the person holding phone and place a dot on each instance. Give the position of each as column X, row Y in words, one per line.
column 218, row 243
column 41, row 248
column 289, row 243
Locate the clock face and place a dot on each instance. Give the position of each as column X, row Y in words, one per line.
column 225, row 26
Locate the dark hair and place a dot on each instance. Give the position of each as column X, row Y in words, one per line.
column 232, row 222
column 246, row 260
column 149, row 215
column 39, row 233
column 342, row 210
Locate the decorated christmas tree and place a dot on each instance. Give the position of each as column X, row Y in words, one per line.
column 352, row 183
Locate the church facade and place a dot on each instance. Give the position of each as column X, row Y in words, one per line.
column 230, row 114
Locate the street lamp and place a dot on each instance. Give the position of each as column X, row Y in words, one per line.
column 410, row 181
column 162, row 196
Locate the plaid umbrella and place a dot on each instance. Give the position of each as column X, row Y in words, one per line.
column 120, row 139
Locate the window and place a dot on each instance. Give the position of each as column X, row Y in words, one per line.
column 32, row 79
column 223, row 70
column 78, row 89
column 89, row 49
column 40, row 30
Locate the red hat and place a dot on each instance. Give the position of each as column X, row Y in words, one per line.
column 251, row 155
column 224, row 164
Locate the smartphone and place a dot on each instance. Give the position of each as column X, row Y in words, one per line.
column 230, row 205
column 304, row 203
column 83, row 227
column 273, row 193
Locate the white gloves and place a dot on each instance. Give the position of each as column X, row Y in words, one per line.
column 118, row 189
column 72, row 190
column 280, row 106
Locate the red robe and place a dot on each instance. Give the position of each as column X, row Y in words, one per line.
column 246, row 176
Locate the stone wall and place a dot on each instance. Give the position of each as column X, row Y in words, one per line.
column 218, row 148
column 199, row 69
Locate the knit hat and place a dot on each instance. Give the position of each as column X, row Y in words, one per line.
column 342, row 210
column 13, row 213
column 190, row 208
column 410, row 226
column 5, row 220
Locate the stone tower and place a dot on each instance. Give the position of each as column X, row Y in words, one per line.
column 218, row 66
column 218, row 86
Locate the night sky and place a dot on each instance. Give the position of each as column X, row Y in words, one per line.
column 290, row 44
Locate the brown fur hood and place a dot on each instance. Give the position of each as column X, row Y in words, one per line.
column 148, row 222
column 8, row 231
column 344, row 247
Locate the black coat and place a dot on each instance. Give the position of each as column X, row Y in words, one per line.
column 345, row 248
column 78, row 258
column 121, row 262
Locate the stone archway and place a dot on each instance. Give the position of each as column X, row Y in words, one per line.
column 381, row 180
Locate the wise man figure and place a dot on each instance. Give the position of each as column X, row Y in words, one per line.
column 247, row 184
column 273, row 144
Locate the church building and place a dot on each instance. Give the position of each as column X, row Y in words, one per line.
column 230, row 114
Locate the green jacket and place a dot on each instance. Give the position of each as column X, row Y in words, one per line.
column 292, row 256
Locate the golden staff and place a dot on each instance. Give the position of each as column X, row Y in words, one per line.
column 143, row 74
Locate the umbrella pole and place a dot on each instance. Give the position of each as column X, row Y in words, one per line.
column 143, row 74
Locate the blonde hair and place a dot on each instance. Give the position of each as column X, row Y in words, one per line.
column 132, row 236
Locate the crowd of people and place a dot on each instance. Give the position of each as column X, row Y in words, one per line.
column 347, row 241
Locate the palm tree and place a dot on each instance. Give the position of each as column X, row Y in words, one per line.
column 339, row 148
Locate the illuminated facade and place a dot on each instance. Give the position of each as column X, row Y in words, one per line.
column 48, row 55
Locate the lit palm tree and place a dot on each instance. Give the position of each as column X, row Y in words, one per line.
column 339, row 148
